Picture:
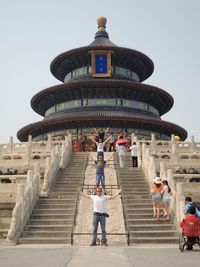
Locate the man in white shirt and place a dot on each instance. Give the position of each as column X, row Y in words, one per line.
column 99, row 215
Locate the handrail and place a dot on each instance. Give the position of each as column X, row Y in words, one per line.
column 108, row 188
column 127, row 234
column 117, row 174
column 77, row 199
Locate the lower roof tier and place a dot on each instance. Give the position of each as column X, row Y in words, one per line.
column 99, row 119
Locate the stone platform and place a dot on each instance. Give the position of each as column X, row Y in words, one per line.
column 85, row 256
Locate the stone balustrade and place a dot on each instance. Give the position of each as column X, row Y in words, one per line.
column 23, row 156
column 59, row 159
column 165, row 164
column 26, row 197
column 26, row 188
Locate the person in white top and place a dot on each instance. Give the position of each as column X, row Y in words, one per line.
column 99, row 213
column 100, row 145
column 122, row 152
column 166, row 198
column 134, row 154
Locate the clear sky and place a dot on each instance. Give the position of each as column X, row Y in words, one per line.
column 34, row 32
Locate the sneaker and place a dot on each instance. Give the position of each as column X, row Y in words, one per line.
column 104, row 243
column 189, row 247
column 93, row 244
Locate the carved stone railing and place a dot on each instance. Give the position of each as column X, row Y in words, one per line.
column 59, row 158
column 27, row 195
column 23, row 156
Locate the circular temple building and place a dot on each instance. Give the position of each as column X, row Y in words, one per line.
column 102, row 87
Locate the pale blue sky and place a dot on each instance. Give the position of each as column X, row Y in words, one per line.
column 34, row 32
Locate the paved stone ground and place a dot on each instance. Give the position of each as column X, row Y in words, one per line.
column 85, row 256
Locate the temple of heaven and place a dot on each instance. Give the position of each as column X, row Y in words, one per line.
column 102, row 87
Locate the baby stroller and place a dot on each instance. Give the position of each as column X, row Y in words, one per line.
column 190, row 235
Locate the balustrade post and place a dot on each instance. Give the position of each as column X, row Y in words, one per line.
column 153, row 143
column 28, row 151
column 173, row 140
column 152, row 167
column 139, row 154
column 175, row 154
column 133, row 138
column 49, row 142
column 163, row 170
column 11, row 144
column 37, row 175
column 20, row 199
column 171, row 181
column 29, row 184
column 180, row 201
column 193, row 144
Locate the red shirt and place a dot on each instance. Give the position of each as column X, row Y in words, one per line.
column 190, row 226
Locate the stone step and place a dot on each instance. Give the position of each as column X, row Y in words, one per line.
column 44, row 240
column 57, row 201
column 140, row 211
column 67, row 181
column 53, row 216
column 156, row 233
column 5, row 213
column 55, row 206
column 5, row 221
column 64, row 186
column 46, row 234
column 143, row 216
column 46, row 228
column 70, row 175
column 136, row 196
column 129, row 200
column 53, row 211
column 54, row 221
column 62, row 194
column 154, row 240
column 60, row 191
column 133, row 190
column 152, row 227
column 132, row 180
column 133, row 206
column 133, row 184
column 147, row 221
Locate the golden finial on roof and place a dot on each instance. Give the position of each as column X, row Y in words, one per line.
column 101, row 21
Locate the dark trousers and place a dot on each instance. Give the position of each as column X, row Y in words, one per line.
column 135, row 161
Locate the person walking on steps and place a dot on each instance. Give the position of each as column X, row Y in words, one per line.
column 99, row 213
column 134, row 154
column 156, row 190
column 122, row 153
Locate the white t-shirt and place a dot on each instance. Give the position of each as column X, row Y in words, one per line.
column 122, row 150
column 100, row 147
column 165, row 191
column 134, row 151
column 99, row 203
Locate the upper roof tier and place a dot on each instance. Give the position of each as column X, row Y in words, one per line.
column 121, row 56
